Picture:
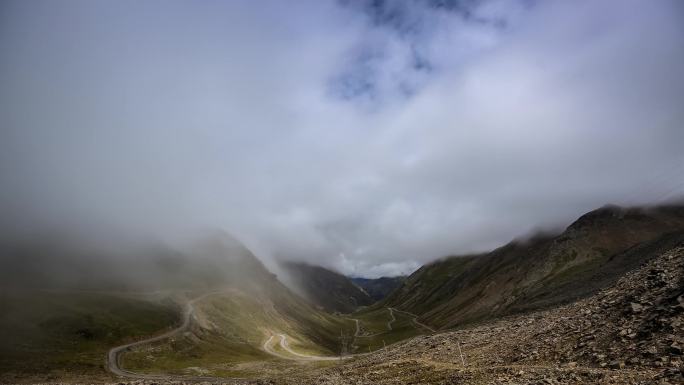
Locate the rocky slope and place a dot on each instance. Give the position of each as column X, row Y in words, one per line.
column 330, row 290
column 541, row 272
column 631, row 332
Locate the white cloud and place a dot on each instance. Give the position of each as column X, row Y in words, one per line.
column 165, row 118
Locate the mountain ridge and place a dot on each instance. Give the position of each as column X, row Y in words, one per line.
column 531, row 274
column 379, row 288
column 325, row 288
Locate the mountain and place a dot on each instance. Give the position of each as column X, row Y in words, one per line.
column 540, row 272
column 379, row 288
column 238, row 330
column 630, row 332
column 330, row 290
column 52, row 262
column 64, row 305
column 576, row 307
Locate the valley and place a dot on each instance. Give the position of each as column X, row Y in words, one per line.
column 218, row 334
column 628, row 333
column 341, row 192
column 602, row 301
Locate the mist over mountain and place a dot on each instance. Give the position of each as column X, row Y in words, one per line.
column 332, row 192
column 60, row 262
column 543, row 271
column 379, row 288
column 366, row 136
column 330, row 290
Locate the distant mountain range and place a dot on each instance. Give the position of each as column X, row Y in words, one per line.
column 379, row 288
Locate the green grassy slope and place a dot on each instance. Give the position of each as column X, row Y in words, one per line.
column 373, row 320
column 50, row 334
column 231, row 326
column 540, row 272
column 332, row 291
column 67, row 334
column 426, row 288
column 230, row 330
column 375, row 333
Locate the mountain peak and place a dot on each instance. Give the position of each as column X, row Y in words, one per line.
column 605, row 213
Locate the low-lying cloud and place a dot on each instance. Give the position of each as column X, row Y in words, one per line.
column 369, row 137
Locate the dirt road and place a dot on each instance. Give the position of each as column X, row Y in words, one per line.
column 390, row 322
column 414, row 319
column 296, row 356
column 114, row 354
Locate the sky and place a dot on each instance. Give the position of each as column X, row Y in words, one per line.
column 365, row 136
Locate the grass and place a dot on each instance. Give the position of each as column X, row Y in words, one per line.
column 317, row 329
column 434, row 277
column 67, row 334
column 215, row 355
column 374, row 322
column 229, row 342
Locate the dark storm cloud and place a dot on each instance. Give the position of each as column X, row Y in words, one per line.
column 370, row 140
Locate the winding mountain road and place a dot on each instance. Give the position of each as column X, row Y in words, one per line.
column 389, row 325
column 414, row 319
column 297, row 356
column 390, row 322
column 114, row 354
